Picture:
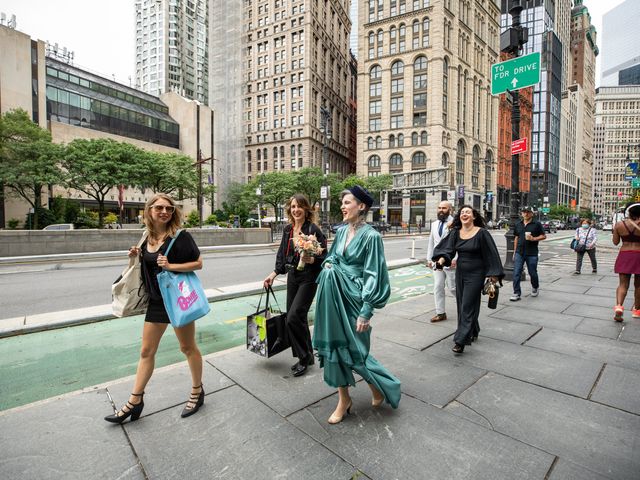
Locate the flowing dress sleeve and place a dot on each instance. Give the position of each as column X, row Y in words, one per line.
column 446, row 248
column 375, row 276
column 490, row 255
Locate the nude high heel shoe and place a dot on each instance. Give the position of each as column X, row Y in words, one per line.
column 333, row 419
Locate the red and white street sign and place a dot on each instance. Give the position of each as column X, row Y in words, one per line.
column 519, row 146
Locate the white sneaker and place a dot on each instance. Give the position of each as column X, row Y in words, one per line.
column 534, row 292
column 515, row 297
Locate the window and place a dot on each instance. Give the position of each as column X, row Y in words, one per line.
column 392, row 141
column 375, row 124
column 419, row 101
column 397, row 68
column 460, row 163
column 445, row 159
column 370, row 143
column 420, row 119
column 419, row 159
column 425, row 32
column 397, row 121
column 374, row 161
column 397, row 85
column 375, row 73
column 393, row 38
column 375, row 89
column 475, row 166
column 414, row 138
column 378, row 142
column 375, row 107
column 445, row 91
column 397, row 104
column 423, row 138
column 395, row 162
column 400, row 140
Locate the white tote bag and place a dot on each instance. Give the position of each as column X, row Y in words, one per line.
column 129, row 296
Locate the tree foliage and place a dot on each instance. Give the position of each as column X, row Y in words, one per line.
column 168, row 173
column 29, row 161
column 96, row 166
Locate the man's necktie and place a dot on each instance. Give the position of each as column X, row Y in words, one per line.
column 440, row 229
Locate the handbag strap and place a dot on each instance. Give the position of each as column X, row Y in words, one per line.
column 166, row 254
column 133, row 260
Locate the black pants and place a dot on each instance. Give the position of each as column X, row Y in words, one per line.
column 468, row 296
column 592, row 257
column 301, row 288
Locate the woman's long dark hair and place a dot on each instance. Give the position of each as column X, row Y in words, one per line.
column 478, row 220
column 303, row 202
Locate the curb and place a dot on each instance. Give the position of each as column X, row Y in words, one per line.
column 55, row 320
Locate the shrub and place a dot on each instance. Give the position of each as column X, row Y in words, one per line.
column 87, row 220
column 193, row 219
column 13, row 223
column 211, row 220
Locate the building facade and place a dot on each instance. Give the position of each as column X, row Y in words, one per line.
column 620, row 41
column 584, row 50
column 296, row 64
column 73, row 103
column 426, row 113
column 172, row 47
column 539, row 16
column 617, row 127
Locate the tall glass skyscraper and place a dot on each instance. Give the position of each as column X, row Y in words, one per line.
column 539, row 16
column 172, row 47
column 620, row 42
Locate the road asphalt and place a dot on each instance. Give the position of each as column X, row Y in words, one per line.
column 549, row 391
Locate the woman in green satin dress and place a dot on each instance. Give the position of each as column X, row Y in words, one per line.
column 354, row 280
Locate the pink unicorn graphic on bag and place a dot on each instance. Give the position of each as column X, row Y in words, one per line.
column 188, row 298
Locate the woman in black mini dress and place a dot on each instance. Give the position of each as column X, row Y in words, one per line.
column 162, row 219
column 478, row 259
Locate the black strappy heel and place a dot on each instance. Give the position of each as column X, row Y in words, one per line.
column 196, row 399
column 128, row 410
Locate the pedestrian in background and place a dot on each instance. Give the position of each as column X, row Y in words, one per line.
column 352, row 283
column 163, row 219
column 301, row 284
column 628, row 260
column 528, row 233
column 478, row 260
column 587, row 237
column 439, row 230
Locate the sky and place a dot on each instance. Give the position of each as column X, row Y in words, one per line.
column 101, row 32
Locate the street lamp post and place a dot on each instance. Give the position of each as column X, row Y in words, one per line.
column 488, row 168
column 325, row 129
column 515, row 37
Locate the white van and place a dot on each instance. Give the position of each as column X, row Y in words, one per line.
column 59, row 226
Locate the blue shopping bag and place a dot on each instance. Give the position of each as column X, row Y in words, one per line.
column 182, row 294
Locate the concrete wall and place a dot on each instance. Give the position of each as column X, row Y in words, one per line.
column 19, row 243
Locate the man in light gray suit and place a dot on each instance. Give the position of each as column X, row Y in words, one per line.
column 447, row 275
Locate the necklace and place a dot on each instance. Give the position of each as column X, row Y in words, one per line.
column 357, row 225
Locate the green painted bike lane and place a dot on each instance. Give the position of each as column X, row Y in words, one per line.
column 45, row 364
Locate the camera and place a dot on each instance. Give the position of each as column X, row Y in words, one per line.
column 289, row 265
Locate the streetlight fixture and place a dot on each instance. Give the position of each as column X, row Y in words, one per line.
column 325, row 129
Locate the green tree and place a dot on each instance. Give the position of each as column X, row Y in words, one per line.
column 168, row 173
column 96, row 166
column 560, row 211
column 29, row 161
column 276, row 188
column 239, row 202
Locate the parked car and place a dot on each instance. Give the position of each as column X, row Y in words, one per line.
column 607, row 227
column 59, row 226
column 559, row 224
column 549, row 227
column 380, row 226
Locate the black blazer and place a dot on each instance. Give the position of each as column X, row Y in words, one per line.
column 287, row 252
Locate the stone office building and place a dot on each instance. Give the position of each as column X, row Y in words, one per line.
column 426, row 112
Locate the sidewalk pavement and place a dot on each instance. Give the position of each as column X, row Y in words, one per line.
column 549, row 391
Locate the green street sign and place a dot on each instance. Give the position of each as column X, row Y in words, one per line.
column 545, row 209
column 635, row 183
column 516, row 73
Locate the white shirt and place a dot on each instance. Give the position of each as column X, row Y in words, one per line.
column 435, row 237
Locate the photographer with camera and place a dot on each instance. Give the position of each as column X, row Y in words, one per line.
column 301, row 283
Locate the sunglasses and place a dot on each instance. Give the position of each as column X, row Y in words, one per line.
column 166, row 208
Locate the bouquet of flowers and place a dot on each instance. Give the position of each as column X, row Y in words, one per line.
column 307, row 245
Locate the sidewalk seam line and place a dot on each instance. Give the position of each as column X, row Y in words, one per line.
column 493, row 429
column 531, row 336
column 551, row 468
column 595, row 384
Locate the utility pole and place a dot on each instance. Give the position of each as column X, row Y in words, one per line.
column 511, row 41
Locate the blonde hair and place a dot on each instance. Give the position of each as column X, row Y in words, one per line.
column 176, row 218
column 303, row 202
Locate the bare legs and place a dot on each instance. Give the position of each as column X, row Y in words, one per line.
column 187, row 338
column 636, row 296
column 623, row 287
column 377, row 397
column 151, row 335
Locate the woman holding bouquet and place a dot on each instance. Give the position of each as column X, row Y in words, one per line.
column 302, row 269
column 352, row 283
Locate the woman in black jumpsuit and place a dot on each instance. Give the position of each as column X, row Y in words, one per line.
column 478, row 259
column 301, row 284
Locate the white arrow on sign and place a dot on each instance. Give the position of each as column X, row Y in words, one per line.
column 514, row 82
